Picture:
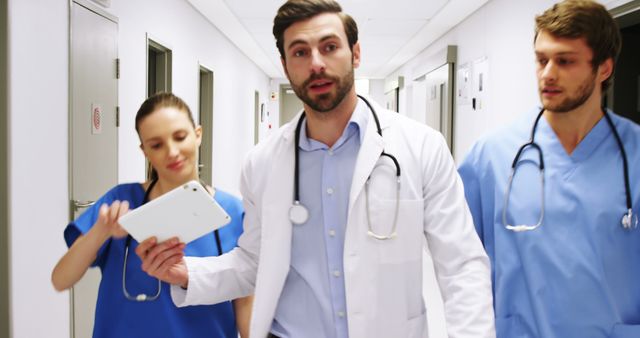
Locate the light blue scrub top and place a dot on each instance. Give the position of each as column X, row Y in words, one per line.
column 578, row 274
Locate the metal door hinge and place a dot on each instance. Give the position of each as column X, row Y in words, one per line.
column 118, row 68
column 117, row 116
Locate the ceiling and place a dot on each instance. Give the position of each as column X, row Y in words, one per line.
column 390, row 32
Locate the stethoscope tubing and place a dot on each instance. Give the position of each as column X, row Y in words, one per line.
column 533, row 144
column 299, row 214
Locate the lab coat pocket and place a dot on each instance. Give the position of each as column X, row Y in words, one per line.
column 417, row 326
column 625, row 331
column 396, row 238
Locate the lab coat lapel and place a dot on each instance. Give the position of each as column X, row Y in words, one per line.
column 370, row 150
column 275, row 255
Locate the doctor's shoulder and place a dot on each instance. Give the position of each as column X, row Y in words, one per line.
column 409, row 127
column 261, row 153
column 230, row 203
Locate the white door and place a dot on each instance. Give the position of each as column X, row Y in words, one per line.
column 290, row 104
column 439, row 98
column 93, row 139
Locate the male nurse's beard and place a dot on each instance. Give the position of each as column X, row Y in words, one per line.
column 570, row 103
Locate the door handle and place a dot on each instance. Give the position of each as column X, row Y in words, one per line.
column 82, row 204
column 75, row 205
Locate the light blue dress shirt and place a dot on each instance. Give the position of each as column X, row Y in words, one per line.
column 313, row 302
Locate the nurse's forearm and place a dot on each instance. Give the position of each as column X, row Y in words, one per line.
column 77, row 260
column 242, row 308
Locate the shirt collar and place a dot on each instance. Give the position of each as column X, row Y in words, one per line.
column 357, row 125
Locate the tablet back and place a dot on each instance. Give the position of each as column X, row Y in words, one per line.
column 186, row 212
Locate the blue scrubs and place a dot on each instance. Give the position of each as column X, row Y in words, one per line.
column 578, row 274
column 118, row 317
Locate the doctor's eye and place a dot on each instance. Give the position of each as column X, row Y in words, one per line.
column 330, row 47
column 299, row 53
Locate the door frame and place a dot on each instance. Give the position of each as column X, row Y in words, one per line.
column 152, row 43
column 5, row 194
column 205, row 119
column 622, row 15
column 256, row 117
column 446, row 56
column 103, row 13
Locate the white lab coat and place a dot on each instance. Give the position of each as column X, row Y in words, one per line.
column 383, row 279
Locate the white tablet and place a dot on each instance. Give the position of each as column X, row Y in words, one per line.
column 187, row 212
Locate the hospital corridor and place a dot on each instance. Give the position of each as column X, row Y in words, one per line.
column 446, row 168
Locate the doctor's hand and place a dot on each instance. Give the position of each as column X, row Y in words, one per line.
column 164, row 261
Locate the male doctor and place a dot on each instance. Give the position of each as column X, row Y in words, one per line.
column 565, row 253
column 346, row 258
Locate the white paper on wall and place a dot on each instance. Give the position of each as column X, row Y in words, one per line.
column 480, row 79
column 463, row 82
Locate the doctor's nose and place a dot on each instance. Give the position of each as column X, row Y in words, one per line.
column 317, row 62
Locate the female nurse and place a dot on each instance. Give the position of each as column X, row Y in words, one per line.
column 169, row 140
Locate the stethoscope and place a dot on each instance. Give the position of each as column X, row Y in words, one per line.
column 143, row 297
column 629, row 220
column 299, row 214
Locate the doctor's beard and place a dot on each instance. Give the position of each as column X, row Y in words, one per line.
column 327, row 101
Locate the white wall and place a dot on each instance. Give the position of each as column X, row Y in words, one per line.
column 193, row 41
column 38, row 56
column 38, row 115
column 501, row 31
column 376, row 90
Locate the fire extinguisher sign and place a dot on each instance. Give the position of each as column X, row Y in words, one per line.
column 96, row 119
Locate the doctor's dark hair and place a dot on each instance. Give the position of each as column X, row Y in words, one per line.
column 152, row 104
column 299, row 10
column 574, row 19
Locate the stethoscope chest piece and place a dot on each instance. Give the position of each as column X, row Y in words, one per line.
column 298, row 214
column 629, row 220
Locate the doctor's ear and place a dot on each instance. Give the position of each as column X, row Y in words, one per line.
column 355, row 54
column 284, row 67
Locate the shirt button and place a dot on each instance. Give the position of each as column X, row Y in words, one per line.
column 330, row 152
column 341, row 314
column 330, row 191
column 336, row 273
column 332, row 233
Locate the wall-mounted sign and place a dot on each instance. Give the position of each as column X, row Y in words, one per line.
column 96, row 119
